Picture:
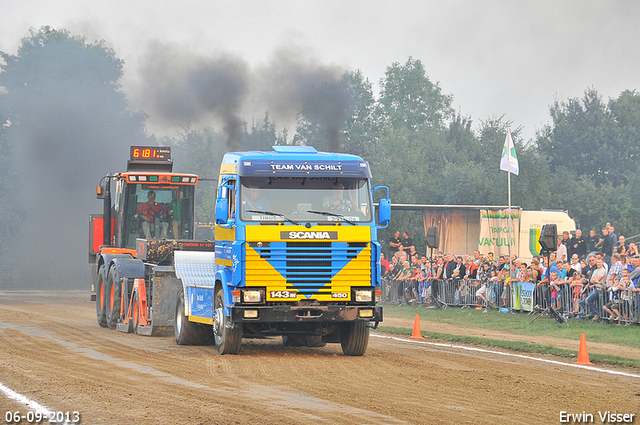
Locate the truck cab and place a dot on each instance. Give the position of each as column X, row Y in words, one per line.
column 296, row 249
column 150, row 201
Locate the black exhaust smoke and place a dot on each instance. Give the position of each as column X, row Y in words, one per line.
column 182, row 89
column 294, row 83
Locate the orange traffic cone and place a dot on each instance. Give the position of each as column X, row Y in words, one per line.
column 583, row 354
column 417, row 333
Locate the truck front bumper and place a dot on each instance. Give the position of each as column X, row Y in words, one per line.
column 322, row 313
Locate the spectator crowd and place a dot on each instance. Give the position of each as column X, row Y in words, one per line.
column 593, row 277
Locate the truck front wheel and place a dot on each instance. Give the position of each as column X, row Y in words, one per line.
column 101, row 313
column 228, row 338
column 354, row 338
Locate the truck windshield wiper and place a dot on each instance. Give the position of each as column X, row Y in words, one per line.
column 274, row 214
column 330, row 214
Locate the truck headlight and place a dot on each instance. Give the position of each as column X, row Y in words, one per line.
column 250, row 314
column 252, row 296
column 366, row 313
column 364, row 296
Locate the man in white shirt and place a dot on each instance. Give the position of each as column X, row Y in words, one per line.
column 598, row 277
column 561, row 251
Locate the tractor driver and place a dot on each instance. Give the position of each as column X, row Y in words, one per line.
column 152, row 213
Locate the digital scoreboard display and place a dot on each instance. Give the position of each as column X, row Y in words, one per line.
column 150, row 153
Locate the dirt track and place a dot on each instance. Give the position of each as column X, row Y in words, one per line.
column 52, row 351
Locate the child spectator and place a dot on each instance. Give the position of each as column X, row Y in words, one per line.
column 505, row 278
column 413, row 283
column 613, row 306
column 554, row 288
column 401, row 278
column 483, row 275
column 461, row 293
column 626, row 295
column 577, row 288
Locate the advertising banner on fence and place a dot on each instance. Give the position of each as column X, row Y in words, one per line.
column 524, row 301
column 497, row 232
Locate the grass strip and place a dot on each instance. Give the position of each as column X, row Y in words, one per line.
column 521, row 324
column 519, row 346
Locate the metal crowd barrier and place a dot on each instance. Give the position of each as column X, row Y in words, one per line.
column 462, row 293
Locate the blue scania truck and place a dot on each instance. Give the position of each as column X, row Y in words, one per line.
column 295, row 255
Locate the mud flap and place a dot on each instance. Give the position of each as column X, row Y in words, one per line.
column 163, row 302
column 161, row 299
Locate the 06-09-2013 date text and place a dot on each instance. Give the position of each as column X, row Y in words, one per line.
column 17, row 417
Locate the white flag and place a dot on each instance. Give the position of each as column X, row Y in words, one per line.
column 510, row 159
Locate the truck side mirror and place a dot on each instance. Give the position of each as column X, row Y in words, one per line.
column 384, row 209
column 222, row 211
column 384, row 212
column 225, row 191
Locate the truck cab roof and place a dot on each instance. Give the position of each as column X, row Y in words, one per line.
column 294, row 160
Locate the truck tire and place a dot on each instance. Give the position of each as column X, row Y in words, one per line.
column 187, row 332
column 228, row 340
column 134, row 320
column 113, row 299
column 101, row 312
column 354, row 338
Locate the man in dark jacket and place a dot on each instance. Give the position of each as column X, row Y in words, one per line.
column 579, row 245
column 607, row 246
column 566, row 241
column 593, row 243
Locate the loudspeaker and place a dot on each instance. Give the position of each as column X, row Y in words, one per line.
column 432, row 237
column 549, row 237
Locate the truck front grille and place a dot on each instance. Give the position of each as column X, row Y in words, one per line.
column 309, row 267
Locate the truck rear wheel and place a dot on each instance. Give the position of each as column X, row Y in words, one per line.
column 113, row 299
column 354, row 338
column 101, row 313
column 228, row 339
column 187, row 332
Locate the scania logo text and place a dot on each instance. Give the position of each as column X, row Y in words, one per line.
column 309, row 235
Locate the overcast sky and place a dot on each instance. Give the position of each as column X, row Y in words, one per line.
column 511, row 58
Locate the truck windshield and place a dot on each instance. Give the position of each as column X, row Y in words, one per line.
column 304, row 199
column 157, row 211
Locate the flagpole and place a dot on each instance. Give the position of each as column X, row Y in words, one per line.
column 509, row 189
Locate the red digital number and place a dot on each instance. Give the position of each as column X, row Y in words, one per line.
column 136, row 153
column 146, row 153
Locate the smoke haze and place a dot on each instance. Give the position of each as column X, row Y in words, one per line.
column 68, row 141
column 181, row 88
column 69, row 131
